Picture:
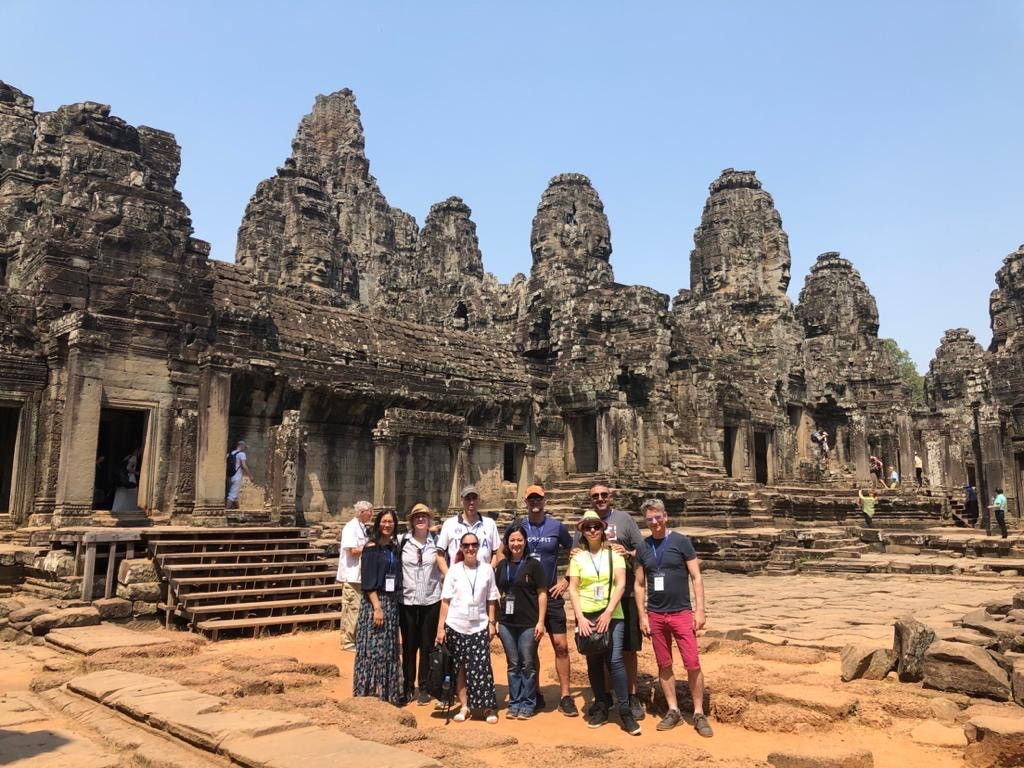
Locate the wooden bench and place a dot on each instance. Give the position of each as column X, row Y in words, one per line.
column 188, row 581
column 215, row 626
column 161, row 544
column 201, row 556
column 175, row 568
column 262, row 605
column 222, row 594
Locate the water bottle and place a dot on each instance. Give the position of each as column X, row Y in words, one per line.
column 447, row 684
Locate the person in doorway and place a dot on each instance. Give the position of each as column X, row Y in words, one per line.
column 545, row 537
column 521, row 611
column 918, row 470
column 597, row 582
column 469, row 520
column 998, row 506
column 877, row 468
column 971, row 505
column 421, row 600
column 894, row 478
column 377, row 671
column 469, row 598
column 666, row 567
column 126, row 495
column 238, row 459
column 867, row 505
column 823, row 444
column 625, row 539
column 353, row 538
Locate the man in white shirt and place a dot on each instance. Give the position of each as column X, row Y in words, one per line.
column 353, row 539
column 468, row 521
column 238, row 460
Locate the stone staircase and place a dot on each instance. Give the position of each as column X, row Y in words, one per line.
column 237, row 579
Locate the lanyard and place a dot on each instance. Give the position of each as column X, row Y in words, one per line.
column 597, row 568
column 472, row 584
column 512, row 578
column 657, row 558
column 533, row 533
column 391, row 561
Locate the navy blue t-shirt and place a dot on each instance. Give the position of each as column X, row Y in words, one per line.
column 667, row 557
column 544, row 541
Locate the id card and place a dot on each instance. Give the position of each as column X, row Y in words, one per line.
column 659, row 582
column 599, row 593
column 473, row 613
column 389, row 583
column 510, row 606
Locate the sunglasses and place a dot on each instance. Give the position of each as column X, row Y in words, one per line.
column 654, row 518
column 600, row 495
column 535, row 498
column 588, row 528
column 470, row 546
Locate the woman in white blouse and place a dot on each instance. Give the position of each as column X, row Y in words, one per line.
column 468, row 602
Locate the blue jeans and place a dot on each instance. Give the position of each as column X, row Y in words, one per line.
column 616, row 670
column 520, row 648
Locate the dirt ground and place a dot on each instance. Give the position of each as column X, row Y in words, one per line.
column 763, row 697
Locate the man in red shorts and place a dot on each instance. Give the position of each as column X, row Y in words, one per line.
column 666, row 564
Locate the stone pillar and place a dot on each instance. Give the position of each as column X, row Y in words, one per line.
column 906, row 451
column 605, row 442
column 461, row 471
column 212, row 450
column 859, row 449
column 991, row 457
column 80, row 434
column 384, row 465
column 283, row 459
column 527, row 466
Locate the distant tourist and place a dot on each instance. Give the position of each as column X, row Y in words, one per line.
column 971, row 505
column 867, row 505
column 918, row 470
column 237, row 459
column 126, row 494
column 894, row 478
column 421, row 600
column 821, row 438
column 667, row 566
column 877, row 468
column 521, row 611
column 377, row 670
column 353, row 538
column 998, row 506
column 468, row 521
column 469, row 599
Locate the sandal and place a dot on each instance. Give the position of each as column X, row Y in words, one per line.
column 462, row 715
column 490, row 716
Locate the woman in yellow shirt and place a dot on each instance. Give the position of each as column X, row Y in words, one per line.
column 597, row 581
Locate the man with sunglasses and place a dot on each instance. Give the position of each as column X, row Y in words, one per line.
column 625, row 538
column 468, row 521
column 545, row 537
column 666, row 564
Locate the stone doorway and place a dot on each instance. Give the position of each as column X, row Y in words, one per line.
column 122, row 431
column 761, row 448
column 581, row 443
column 9, row 416
column 972, row 477
column 729, row 449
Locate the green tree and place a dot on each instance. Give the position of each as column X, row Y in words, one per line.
column 908, row 372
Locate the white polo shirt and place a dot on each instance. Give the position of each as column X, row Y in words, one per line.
column 353, row 536
column 454, row 528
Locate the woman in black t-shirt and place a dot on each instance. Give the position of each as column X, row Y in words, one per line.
column 524, row 603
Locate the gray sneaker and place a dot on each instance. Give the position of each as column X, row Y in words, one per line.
column 702, row 726
column 636, row 709
column 670, row 720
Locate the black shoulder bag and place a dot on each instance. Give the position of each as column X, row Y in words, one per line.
column 596, row 642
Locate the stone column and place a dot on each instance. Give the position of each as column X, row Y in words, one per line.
column 527, row 467
column 283, row 460
column 906, row 451
column 859, row 448
column 212, row 450
column 384, row 463
column 80, row 434
column 605, row 442
column 461, row 471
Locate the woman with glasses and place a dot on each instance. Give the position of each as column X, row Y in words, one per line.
column 377, row 668
column 597, row 581
column 421, row 600
column 468, row 599
column 524, row 589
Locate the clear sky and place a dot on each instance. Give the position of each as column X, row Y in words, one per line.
column 889, row 131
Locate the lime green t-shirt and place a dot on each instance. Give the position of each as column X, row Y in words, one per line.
column 592, row 571
column 867, row 504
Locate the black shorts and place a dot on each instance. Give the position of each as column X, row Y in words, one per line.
column 554, row 619
column 633, row 639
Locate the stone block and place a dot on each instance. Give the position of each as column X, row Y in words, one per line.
column 865, row 661
column 113, row 608
column 1017, row 683
column 84, row 616
column 965, row 669
column 22, row 616
column 854, row 758
column 936, row 734
column 303, row 747
column 910, row 643
column 137, row 570
column 143, row 608
column 147, row 591
column 59, row 562
column 1018, row 600
column 831, row 703
column 994, row 742
column 208, row 730
column 998, row 607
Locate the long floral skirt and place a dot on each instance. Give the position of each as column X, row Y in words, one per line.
column 473, row 653
column 378, row 666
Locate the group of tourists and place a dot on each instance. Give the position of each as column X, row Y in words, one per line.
column 404, row 594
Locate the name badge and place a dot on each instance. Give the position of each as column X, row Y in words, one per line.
column 473, row 612
column 599, row 592
column 389, row 583
column 535, row 555
column 510, row 606
column 659, row 582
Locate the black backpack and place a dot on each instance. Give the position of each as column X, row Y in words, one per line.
column 441, row 675
column 231, row 464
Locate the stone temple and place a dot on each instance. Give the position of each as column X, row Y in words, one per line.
column 362, row 355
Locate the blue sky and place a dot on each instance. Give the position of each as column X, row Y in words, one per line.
column 888, row 131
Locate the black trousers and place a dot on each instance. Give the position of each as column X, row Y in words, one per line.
column 419, row 629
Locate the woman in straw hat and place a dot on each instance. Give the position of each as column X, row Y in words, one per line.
column 421, row 600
